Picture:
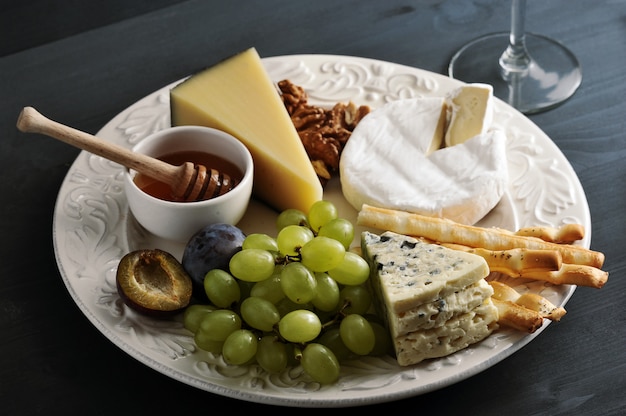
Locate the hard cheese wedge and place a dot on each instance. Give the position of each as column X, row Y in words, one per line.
column 238, row 96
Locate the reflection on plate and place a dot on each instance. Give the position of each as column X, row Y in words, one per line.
column 93, row 230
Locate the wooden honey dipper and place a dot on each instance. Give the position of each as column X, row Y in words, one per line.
column 189, row 182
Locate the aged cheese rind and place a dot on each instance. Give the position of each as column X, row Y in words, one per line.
column 421, row 121
column 411, row 272
column 458, row 333
column 238, row 96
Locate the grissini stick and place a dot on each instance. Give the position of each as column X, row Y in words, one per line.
column 446, row 231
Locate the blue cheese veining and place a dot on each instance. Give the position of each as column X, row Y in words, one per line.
column 415, row 272
column 435, row 300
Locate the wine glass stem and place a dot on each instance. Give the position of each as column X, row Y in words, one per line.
column 515, row 59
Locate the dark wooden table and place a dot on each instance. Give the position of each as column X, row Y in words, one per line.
column 84, row 62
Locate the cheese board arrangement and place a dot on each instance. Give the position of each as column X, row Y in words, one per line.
column 93, row 229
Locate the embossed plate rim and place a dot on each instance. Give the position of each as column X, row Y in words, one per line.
column 92, row 230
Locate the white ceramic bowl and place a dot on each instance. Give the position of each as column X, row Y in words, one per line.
column 178, row 221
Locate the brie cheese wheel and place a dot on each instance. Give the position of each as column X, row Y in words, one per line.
column 386, row 164
column 470, row 112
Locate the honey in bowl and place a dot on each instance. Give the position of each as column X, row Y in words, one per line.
column 163, row 191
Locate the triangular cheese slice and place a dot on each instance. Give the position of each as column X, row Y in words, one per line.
column 470, row 109
column 407, row 272
column 435, row 300
column 238, row 97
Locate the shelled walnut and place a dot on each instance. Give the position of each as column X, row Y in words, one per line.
column 324, row 132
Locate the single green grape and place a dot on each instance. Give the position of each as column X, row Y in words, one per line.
column 271, row 354
column 240, row 347
column 291, row 238
column 291, row 216
column 252, row 265
column 203, row 342
column 357, row 299
column 320, row 363
column 221, row 288
column 383, row 344
column 353, row 270
column 326, row 293
column 259, row 313
column 269, row 289
column 320, row 213
column 298, row 283
column 339, row 229
column 332, row 339
column 299, row 326
column 193, row 315
column 286, row 305
column 245, row 288
column 219, row 324
column 259, row 240
column 322, row 254
column 357, row 334
column 374, row 317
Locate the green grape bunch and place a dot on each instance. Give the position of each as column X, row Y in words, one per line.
column 301, row 297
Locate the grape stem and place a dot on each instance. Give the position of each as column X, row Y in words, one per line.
column 297, row 352
column 290, row 259
column 338, row 316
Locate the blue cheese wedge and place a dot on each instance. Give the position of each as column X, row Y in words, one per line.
column 411, row 273
column 436, row 301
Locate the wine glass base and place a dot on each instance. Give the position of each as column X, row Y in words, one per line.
column 553, row 76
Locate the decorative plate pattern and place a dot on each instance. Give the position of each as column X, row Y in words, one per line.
column 93, row 229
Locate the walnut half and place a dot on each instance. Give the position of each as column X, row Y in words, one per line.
column 324, row 132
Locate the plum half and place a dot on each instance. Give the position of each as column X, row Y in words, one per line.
column 153, row 282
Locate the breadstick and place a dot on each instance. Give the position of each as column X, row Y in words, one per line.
column 532, row 301
column 515, row 262
column 544, row 265
column 446, row 231
column 572, row 274
column 515, row 316
column 542, row 306
column 567, row 233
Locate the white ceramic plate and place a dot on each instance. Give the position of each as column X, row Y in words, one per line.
column 93, row 230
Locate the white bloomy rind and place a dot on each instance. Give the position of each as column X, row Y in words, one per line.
column 389, row 162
